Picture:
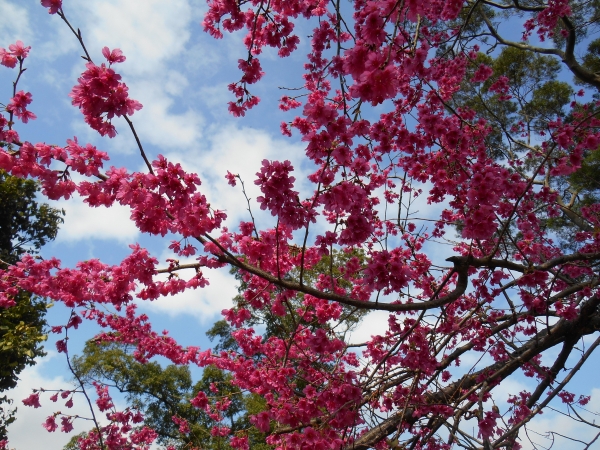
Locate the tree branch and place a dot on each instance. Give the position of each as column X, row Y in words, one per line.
column 587, row 322
column 567, row 57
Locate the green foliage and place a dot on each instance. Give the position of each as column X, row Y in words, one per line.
column 587, row 178
column 25, row 226
column 518, row 124
column 221, row 331
column 162, row 393
column 21, row 333
column 536, row 97
column 327, row 269
column 591, row 61
column 581, row 188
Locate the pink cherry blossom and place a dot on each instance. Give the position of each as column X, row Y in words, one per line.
column 114, row 56
column 19, row 50
column 7, row 59
column 101, row 96
column 54, row 5
column 482, row 73
column 18, row 106
column 104, row 400
column 33, row 400
column 50, row 424
column 66, row 424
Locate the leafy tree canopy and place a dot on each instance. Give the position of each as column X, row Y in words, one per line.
column 25, row 226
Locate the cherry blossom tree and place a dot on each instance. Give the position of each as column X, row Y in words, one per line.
column 400, row 100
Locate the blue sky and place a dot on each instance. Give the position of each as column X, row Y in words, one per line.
column 180, row 75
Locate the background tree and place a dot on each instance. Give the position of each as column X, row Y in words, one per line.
column 521, row 118
column 25, row 226
column 163, row 394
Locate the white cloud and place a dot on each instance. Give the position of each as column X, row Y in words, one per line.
column 155, row 123
column 84, row 222
column 216, row 97
column 239, row 150
column 176, row 84
column 374, row 324
column 148, row 31
column 549, row 427
column 203, row 59
column 205, row 304
column 14, row 25
column 27, row 431
column 55, row 39
column 55, row 79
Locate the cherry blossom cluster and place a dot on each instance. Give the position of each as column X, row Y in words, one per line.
column 16, row 52
column 7, row 135
column 91, row 281
column 17, row 105
column 546, row 20
column 279, row 197
column 36, row 160
column 100, row 95
column 267, row 26
column 164, row 201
